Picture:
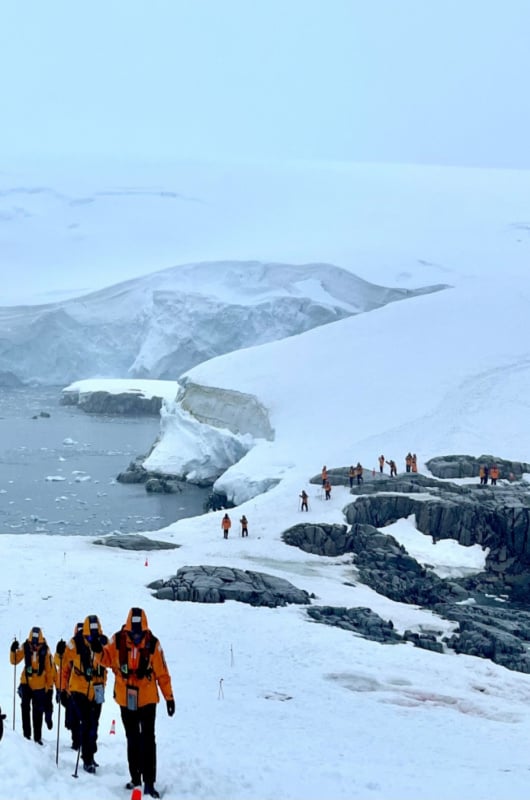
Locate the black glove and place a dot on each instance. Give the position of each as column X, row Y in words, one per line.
column 14, row 646
column 170, row 707
column 60, row 647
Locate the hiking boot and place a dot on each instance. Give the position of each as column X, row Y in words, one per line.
column 150, row 791
column 91, row 768
column 133, row 784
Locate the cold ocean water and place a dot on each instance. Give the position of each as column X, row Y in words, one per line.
column 58, row 473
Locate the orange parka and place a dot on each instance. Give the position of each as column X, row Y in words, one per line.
column 226, row 523
column 137, row 660
column 39, row 669
column 494, row 473
column 82, row 667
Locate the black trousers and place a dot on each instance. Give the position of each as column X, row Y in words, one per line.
column 88, row 713
column 141, row 744
column 32, row 704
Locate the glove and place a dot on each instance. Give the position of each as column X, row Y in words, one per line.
column 170, row 707
column 14, row 646
column 60, row 647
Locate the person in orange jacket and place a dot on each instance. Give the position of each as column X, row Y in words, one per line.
column 84, row 678
column 137, row 660
column 324, row 475
column 36, row 682
column 226, row 524
column 244, row 525
column 494, row 474
column 414, row 464
column 327, row 490
column 359, row 473
column 381, row 460
column 71, row 719
column 351, row 475
column 408, row 462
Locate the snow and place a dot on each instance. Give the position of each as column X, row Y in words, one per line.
column 307, row 711
column 167, row 390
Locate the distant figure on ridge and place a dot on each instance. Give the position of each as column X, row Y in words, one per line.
column 393, row 468
column 408, row 462
column 244, row 526
column 226, row 524
column 303, row 498
column 351, row 475
column 494, row 474
column 324, row 474
column 359, row 473
column 327, row 490
column 414, row 463
column 381, row 460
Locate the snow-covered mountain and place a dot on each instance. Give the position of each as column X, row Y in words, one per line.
column 162, row 324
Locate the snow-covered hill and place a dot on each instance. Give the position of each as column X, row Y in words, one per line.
column 164, row 323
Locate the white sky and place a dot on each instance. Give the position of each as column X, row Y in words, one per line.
column 410, row 81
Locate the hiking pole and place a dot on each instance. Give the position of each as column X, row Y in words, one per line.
column 14, row 684
column 59, row 712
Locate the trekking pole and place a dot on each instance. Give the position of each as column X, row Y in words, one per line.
column 59, row 712
column 14, row 686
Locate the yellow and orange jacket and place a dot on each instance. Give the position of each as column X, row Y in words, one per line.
column 494, row 473
column 140, row 666
column 39, row 669
column 226, row 523
column 381, row 460
column 82, row 668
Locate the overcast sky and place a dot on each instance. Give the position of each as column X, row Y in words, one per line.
column 437, row 81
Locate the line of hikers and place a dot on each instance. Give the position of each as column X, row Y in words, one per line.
column 226, row 524
column 78, row 673
column 485, row 472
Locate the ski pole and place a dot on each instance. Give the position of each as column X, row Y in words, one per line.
column 14, row 685
column 59, row 712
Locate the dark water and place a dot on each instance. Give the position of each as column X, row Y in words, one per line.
column 58, row 474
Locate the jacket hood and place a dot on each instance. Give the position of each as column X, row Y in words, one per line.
column 36, row 636
column 91, row 626
column 136, row 621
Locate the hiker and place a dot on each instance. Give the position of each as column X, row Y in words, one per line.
column 494, row 474
column 381, row 460
column 36, row 682
column 352, row 473
column 84, row 678
column 304, row 498
column 482, row 473
column 324, row 475
column 327, row 490
column 226, row 524
column 408, row 462
column 359, row 473
column 393, row 468
column 71, row 718
column 244, row 526
column 137, row 660
column 414, row 463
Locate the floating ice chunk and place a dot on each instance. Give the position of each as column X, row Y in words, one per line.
column 82, row 478
column 55, row 478
column 70, row 441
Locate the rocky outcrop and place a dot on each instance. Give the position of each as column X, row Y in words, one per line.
column 155, row 482
column 205, row 584
column 134, row 541
column 8, row 380
column 463, row 466
column 371, row 626
column 123, row 403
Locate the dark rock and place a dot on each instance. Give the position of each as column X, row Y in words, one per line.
column 205, row 584
column 217, row 501
column 358, row 620
column 134, row 541
column 463, row 466
column 125, row 403
column 159, row 485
